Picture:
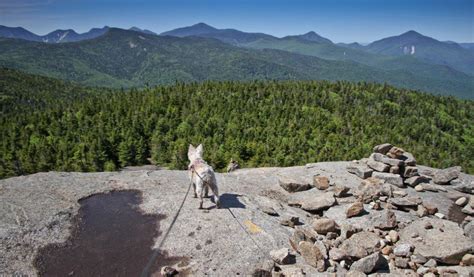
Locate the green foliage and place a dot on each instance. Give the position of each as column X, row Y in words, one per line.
column 257, row 123
column 127, row 59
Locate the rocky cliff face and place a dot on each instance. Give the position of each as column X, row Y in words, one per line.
column 383, row 214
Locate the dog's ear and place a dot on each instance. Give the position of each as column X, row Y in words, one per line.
column 191, row 152
column 199, row 151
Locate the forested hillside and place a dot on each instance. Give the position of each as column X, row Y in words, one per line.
column 122, row 58
column 258, row 123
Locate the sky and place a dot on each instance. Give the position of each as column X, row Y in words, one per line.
column 339, row 20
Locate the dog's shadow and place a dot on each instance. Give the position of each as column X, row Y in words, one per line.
column 229, row 200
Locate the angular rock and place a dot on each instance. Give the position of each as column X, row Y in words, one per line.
column 361, row 244
column 394, row 170
column 390, row 178
column 404, row 203
column 341, row 191
column 401, row 262
column 462, row 186
column 360, row 170
column 324, row 225
column 290, row 221
column 421, row 211
column 444, row 176
column 468, row 210
column 431, row 263
column 282, row 256
column 399, row 193
column 355, row 209
column 430, row 187
column 372, row 188
column 320, row 182
column 410, row 171
column 402, row 250
column 295, row 239
column 293, row 185
column 386, row 160
column 386, row 220
column 418, row 259
column 312, row 200
column 408, row 159
column 337, row 254
column 415, row 180
column 445, row 242
column 469, row 230
column 310, row 253
column 378, row 166
column 382, row 148
column 439, row 215
column 430, row 208
column 348, row 230
column 370, row 263
column 395, row 153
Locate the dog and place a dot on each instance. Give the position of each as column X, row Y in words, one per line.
column 202, row 175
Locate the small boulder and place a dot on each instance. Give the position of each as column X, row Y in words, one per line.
column 401, row 262
column 293, row 185
column 341, row 191
column 402, row 250
column 396, row 153
column 382, row 148
column 290, row 221
column 410, row 171
column 385, row 220
column 444, row 176
column 461, row 201
column 393, row 235
column 282, row 256
column 378, row 166
column 370, row 263
column 416, row 180
column 355, row 209
column 468, row 260
column 419, row 188
column 337, row 254
column 310, row 253
column 361, row 244
column 320, row 182
column 360, row 170
column 389, row 178
column 431, row 263
column 324, row 225
column 468, row 210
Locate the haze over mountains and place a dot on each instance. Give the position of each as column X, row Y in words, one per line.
column 116, row 57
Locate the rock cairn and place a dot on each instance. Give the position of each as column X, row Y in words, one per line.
column 385, row 224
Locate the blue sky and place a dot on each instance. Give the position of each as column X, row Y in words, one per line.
column 338, row 20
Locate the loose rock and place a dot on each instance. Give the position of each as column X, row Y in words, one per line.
column 393, row 235
column 290, row 221
column 310, row 253
column 377, row 166
column 386, row 220
column 282, row 256
column 402, row 250
column 321, row 182
column 168, row 271
column 468, row 260
column 444, row 176
column 361, row 244
column 390, row 178
column 416, row 180
column 324, row 225
column 355, row 209
column 360, row 170
column 293, row 185
column 370, row 263
column 382, row 148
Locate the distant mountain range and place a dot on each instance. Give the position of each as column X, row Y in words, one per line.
column 58, row 36
column 137, row 57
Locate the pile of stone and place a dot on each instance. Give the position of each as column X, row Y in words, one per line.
column 357, row 231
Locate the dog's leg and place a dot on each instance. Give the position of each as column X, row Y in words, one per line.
column 206, row 191
column 194, row 189
column 215, row 191
column 199, row 191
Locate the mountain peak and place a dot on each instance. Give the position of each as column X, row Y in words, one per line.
column 412, row 33
column 314, row 37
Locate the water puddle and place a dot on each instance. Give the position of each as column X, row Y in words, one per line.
column 455, row 214
column 110, row 237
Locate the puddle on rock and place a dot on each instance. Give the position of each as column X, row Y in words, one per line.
column 110, row 237
column 455, row 214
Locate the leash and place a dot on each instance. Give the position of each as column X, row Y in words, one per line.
column 156, row 252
